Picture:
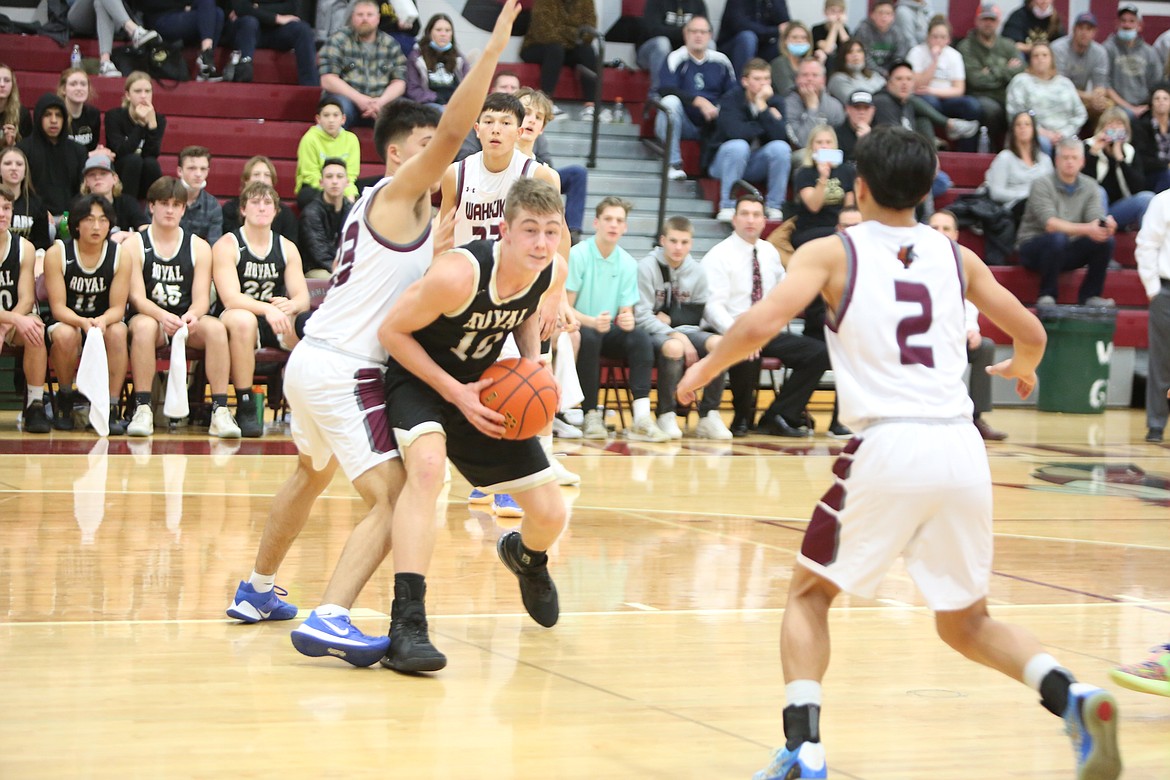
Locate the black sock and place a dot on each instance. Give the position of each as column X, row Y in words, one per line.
column 243, row 395
column 532, row 558
column 410, row 586
column 801, row 724
column 113, row 410
column 1054, row 691
column 218, row 400
column 141, row 399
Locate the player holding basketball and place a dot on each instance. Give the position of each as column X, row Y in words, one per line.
column 916, row 474
column 335, row 387
column 444, row 331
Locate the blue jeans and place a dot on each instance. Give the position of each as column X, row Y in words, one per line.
column 574, row 181
column 204, row 21
column 1128, row 212
column 736, row 160
column 353, row 115
column 745, row 45
column 1053, row 253
column 298, row 36
column 683, row 127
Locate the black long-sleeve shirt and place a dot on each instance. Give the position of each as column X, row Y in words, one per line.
column 124, row 136
column 321, row 232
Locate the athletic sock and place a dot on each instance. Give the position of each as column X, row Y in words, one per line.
column 262, row 583
column 218, row 400
column 331, row 611
column 641, row 408
column 141, row 399
column 34, row 394
column 416, row 587
column 1054, row 691
column 802, row 723
column 533, row 557
column 243, row 395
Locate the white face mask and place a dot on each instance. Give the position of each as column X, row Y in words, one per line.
column 1042, row 13
column 194, row 187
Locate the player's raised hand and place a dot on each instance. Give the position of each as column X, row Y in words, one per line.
column 487, row 421
column 1025, row 380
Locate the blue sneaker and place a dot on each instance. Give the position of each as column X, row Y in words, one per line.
column 1090, row 719
column 806, row 761
column 252, row 607
column 337, row 637
column 477, row 496
column 505, row 506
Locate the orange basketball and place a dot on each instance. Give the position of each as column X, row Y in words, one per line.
column 524, row 392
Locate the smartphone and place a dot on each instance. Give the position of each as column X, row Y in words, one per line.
column 831, row 156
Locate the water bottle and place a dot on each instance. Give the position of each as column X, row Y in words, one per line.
column 984, row 140
column 75, row 57
column 620, row 115
column 63, row 225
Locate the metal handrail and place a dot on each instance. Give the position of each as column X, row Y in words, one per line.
column 584, row 30
column 664, row 182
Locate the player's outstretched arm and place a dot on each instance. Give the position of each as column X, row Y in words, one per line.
column 1010, row 316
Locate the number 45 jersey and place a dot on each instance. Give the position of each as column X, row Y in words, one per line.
column 898, row 340
column 169, row 280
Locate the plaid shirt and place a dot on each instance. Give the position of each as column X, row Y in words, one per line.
column 368, row 68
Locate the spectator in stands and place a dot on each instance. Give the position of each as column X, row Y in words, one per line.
column 134, row 133
column 1153, row 263
column 1151, row 138
column 1134, row 68
column 912, row 18
column 750, row 141
column 741, row 269
column 940, row 78
column 83, row 120
column 980, row 349
column 188, row 21
column 170, row 286
column 98, row 178
column 87, row 288
column 259, row 168
column 795, row 47
column 323, row 141
column 852, row 74
column 30, row 218
column 103, row 18
column 990, row 62
column 403, row 30
column 1036, row 21
column 203, row 216
column 1065, row 228
column 859, row 113
column 823, row 187
column 435, row 66
column 322, row 218
column 555, row 39
column 830, row 35
column 662, row 32
column 15, row 122
column 573, row 179
column 672, row 294
column 20, row 325
column 1112, row 160
column 54, row 162
column 884, row 43
column 1086, row 64
column 1049, row 96
column 895, row 105
column 691, row 83
column 809, row 104
column 1015, row 169
column 751, row 28
column 273, row 24
column 261, row 288
column 602, row 288
column 361, row 66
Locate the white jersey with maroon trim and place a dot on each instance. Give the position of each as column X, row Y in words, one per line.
column 898, row 340
column 370, row 276
column 480, row 195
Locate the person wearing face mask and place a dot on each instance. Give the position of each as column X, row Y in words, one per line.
column 852, row 74
column 204, row 215
column 1133, row 65
column 794, row 49
column 435, row 66
column 1036, row 21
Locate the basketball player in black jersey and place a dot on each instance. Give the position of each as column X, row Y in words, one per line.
column 438, row 350
column 262, row 289
column 87, row 288
column 18, row 325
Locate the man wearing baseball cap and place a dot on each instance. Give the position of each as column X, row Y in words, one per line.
column 858, row 122
column 1086, row 64
column 98, row 178
column 1134, row 67
column 990, row 61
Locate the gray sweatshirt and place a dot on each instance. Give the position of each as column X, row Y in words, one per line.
column 687, row 286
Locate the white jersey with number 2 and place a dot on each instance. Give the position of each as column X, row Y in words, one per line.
column 480, row 195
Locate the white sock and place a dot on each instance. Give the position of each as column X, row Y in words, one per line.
column 1037, row 669
column 546, row 443
column 641, row 408
column 262, row 583
column 331, row 611
column 801, row 692
column 34, row 393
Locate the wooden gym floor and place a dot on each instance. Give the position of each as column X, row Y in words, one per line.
column 116, row 660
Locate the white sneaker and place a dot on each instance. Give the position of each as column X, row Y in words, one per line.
column 575, row 416
column 562, row 430
column 141, row 36
column 595, row 425
column 586, row 114
column 563, row 475
column 644, row 429
column 223, row 424
column 773, row 213
column 712, row 427
column 605, row 117
column 725, row 215
column 143, row 422
column 676, row 173
column 108, row 70
column 668, row 423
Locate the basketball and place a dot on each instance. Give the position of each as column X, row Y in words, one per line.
column 524, row 392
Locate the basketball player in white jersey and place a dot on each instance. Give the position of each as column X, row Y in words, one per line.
column 914, row 481
column 334, row 385
column 18, row 325
column 170, row 286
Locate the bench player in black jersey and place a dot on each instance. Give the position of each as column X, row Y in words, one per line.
column 19, row 327
column 439, row 349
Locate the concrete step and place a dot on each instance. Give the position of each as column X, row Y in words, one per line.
column 569, row 128
column 613, row 165
column 608, row 148
column 639, row 185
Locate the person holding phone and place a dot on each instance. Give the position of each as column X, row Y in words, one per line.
column 1111, row 159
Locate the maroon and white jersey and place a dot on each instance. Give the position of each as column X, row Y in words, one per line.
column 480, row 195
column 898, row 340
column 370, row 276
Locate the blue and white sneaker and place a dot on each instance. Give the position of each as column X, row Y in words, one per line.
column 806, row 761
column 477, row 496
column 1090, row 719
column 252, row 607
column 336, row 636
column 505, row 506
